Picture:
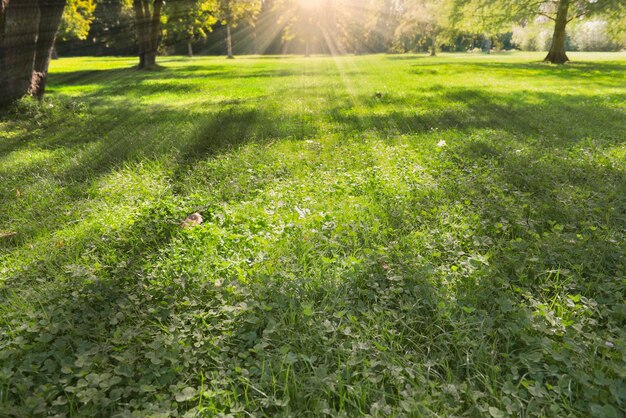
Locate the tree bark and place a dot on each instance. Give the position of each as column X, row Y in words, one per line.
column 189, row 49
column 433, row 47
column 488, row 44
column 155, row 33
column 3, row 71
column 229, row 41
column 27, row 33
column 557, row 54
column 51, row 14
column 140, row 28
column 18, row 42
column 148, row 27
column 255, row 41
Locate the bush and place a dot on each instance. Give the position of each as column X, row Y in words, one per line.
column 45, row 111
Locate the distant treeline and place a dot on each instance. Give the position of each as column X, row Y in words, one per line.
column 379, row 26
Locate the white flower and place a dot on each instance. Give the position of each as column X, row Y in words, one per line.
column 442, row 143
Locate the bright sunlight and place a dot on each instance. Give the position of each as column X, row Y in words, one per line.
column 312, row 208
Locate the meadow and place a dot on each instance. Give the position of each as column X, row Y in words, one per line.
column 387, row 235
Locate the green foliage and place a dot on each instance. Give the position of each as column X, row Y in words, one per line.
column 190, row 19
column 383, row 235
column 78, row 16
column 236, row 11
column 494, row 15
column 426, row 18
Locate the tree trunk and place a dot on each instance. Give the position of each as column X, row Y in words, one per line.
column 189, row 49
column 433, row 47
column 3, row 71
column 255, row 41
column 55, row 54
column 488, row 44
column 140, row 27
column 18, row 42
column 150, row 60
column 557, row 54
column 229, row 41
column 51, row 14
column 155, row 33
column 148, row 26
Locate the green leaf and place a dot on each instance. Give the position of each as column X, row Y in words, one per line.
column 307, row 309
column 495, row 412
column 186, row 394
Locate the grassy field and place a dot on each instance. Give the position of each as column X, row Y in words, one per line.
column 384, row 235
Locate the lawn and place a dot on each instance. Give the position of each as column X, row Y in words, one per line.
column 384, row 235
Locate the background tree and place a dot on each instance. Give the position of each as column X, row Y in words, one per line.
column 308, row 24
column 76, row 21
column 191, row 20
column 428, row 18
column 381, row 22
column 232, row 12
column 148, row 28
column 28, row 30
column 112, row 31
column 500, row 13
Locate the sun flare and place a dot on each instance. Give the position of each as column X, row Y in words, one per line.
column 310, row 4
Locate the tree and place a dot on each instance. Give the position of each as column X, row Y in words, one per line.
column 303, row 22
column 190, row 20
column 28, row 29
column 232, row 12
column 77, row 19
column 148, row 28
column 112, row 30
column 561, row 12
column 429, row 18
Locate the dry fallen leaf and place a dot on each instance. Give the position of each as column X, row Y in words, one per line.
column 17, row 193
column 7, row 234
column 192, row 220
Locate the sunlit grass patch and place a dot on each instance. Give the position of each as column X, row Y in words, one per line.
column 383, row 235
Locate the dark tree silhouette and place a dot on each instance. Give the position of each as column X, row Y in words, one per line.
column 148, row 26
column 28, row 30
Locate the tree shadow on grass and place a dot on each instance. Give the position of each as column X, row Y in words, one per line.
column 110, row 138
column 554, row 119
column 596, row 73
column 129, row 82
column 124, row 318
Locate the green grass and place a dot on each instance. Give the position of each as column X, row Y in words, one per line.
column 384, row 235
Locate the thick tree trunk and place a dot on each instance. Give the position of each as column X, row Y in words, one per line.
column 189, row 49
column 150, row 60
column 140, row 28
column 3, row 71
column 557, row 54
column 148, row 26
column 155, row 33
column 51, row 14
column 18, row 41
column 229, row 41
